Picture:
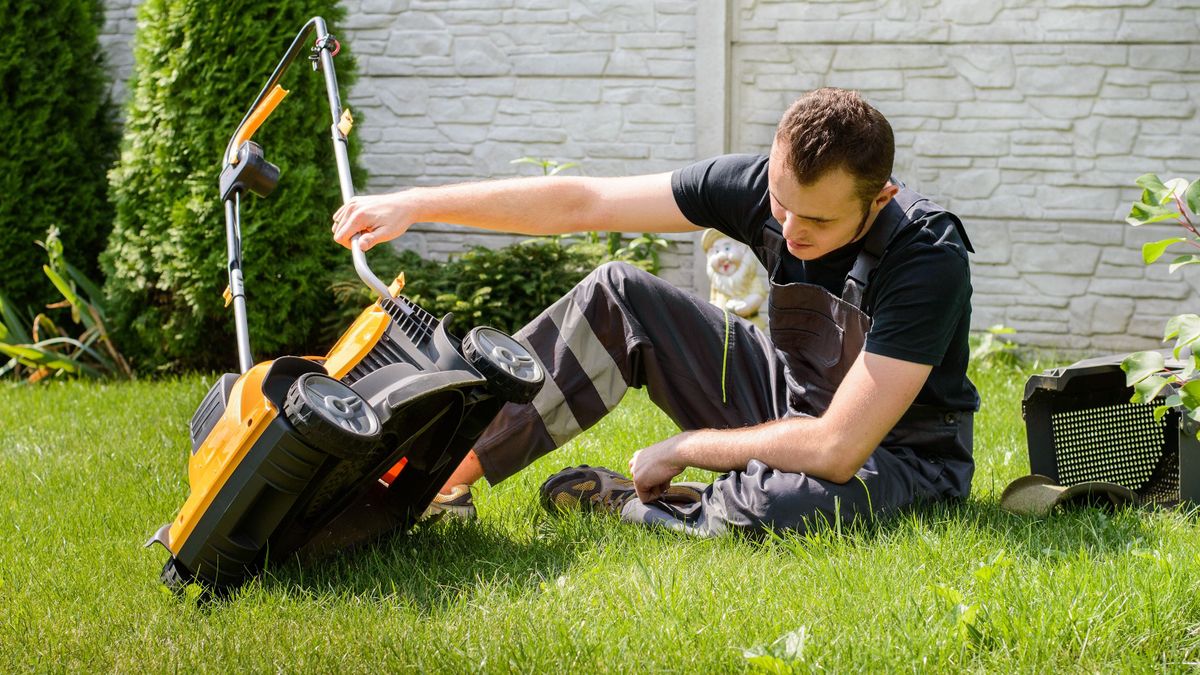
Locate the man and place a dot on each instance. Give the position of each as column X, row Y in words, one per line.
column 857, row 402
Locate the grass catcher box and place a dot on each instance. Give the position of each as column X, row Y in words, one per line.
column 1081, row 427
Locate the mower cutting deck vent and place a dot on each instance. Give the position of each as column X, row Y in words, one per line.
column 1081, row 427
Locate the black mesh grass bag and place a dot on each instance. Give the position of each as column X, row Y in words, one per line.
column 1081, row 427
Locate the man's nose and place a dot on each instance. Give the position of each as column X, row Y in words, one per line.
column 791, row 225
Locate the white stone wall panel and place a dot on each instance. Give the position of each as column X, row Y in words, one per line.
column 1030, row 118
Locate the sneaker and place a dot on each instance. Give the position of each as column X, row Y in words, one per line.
column 587, row 488
column 457, row 504
column 598, row 489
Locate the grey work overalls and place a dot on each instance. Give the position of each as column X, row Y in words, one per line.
column 622, row 327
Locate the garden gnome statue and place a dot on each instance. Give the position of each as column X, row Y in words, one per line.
column 735, row 275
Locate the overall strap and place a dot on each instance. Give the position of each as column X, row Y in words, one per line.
column 889, row 221
column 900, row 212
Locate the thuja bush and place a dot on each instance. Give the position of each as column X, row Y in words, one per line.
column 198, row 66
column 503, row 288
column 59, row 141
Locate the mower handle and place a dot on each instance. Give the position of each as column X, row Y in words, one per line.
column 264, row 104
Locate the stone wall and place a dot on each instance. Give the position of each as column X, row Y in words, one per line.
column 116, row 39
column 453, row 90
column 1030, row 118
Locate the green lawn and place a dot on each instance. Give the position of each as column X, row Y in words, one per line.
column 88, row 472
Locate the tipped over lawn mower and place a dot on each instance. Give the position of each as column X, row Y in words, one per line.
column 321, row 453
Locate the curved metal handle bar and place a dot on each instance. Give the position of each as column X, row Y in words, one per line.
column 293, row 51
column 364, row 272
column 340, row 151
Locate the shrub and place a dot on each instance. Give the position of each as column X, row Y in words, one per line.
column 504, row 288
column 59, row 140
column 198, row 66
column 40, row 347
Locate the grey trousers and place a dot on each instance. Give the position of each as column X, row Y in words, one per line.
column 622, row 327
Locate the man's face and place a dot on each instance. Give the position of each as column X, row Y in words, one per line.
column 821, row 217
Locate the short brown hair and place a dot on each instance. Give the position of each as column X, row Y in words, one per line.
column 830, row 128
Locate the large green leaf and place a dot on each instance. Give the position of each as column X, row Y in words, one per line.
column 1154, row 250
column 1191, row 197
column 1155, row 191
column 93, row 292
column 1140, row 365
column 1183, row 260
column 68, row 294
column 34, row 357
column 12, row 322
column 1147, row 389
column 1189, row 395
column 1144, row 214
column 1185, row 328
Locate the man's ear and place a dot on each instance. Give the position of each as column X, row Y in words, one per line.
column 885, row 195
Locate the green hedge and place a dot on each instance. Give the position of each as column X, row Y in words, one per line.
column 198, row 66
column 59, row 141
column 504, row 288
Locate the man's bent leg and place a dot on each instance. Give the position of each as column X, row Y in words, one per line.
column 762, row 498
column 623, row 327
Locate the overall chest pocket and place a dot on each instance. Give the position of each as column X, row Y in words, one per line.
column 810, row 340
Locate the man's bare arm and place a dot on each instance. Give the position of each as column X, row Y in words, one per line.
column 874, row 395
column 535, row 206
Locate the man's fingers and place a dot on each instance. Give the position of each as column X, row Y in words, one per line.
column 349, row 227
column 366, row 241
column 652, row 493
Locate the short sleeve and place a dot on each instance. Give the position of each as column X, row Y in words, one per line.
column 919, row 302
column 727, row 193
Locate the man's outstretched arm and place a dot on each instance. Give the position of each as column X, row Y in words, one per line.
column 534, row 206
column 871, row 399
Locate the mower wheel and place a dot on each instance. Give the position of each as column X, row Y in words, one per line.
column 332, row 416
column 511, row 372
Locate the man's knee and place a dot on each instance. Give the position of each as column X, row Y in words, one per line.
column 615, row 275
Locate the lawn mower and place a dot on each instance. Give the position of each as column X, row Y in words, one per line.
column 320, row 453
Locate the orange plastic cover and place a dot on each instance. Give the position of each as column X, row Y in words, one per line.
column 248, row 414
column 359, row 339
column 256, row 118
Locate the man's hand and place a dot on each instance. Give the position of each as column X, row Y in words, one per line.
column 871, row 399
column 652, row 468
column 379, row 217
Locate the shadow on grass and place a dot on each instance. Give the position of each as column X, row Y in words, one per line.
column 434, row 567
column 1101, row 532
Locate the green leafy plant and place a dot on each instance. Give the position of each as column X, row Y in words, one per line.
column 60, row 139
column 198, row 66
column 41, row 348
column 504, row 288
column 1148, row 372
column 994, row 349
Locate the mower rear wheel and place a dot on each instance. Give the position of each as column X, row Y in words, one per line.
column 332, row 416
column 511, row 371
